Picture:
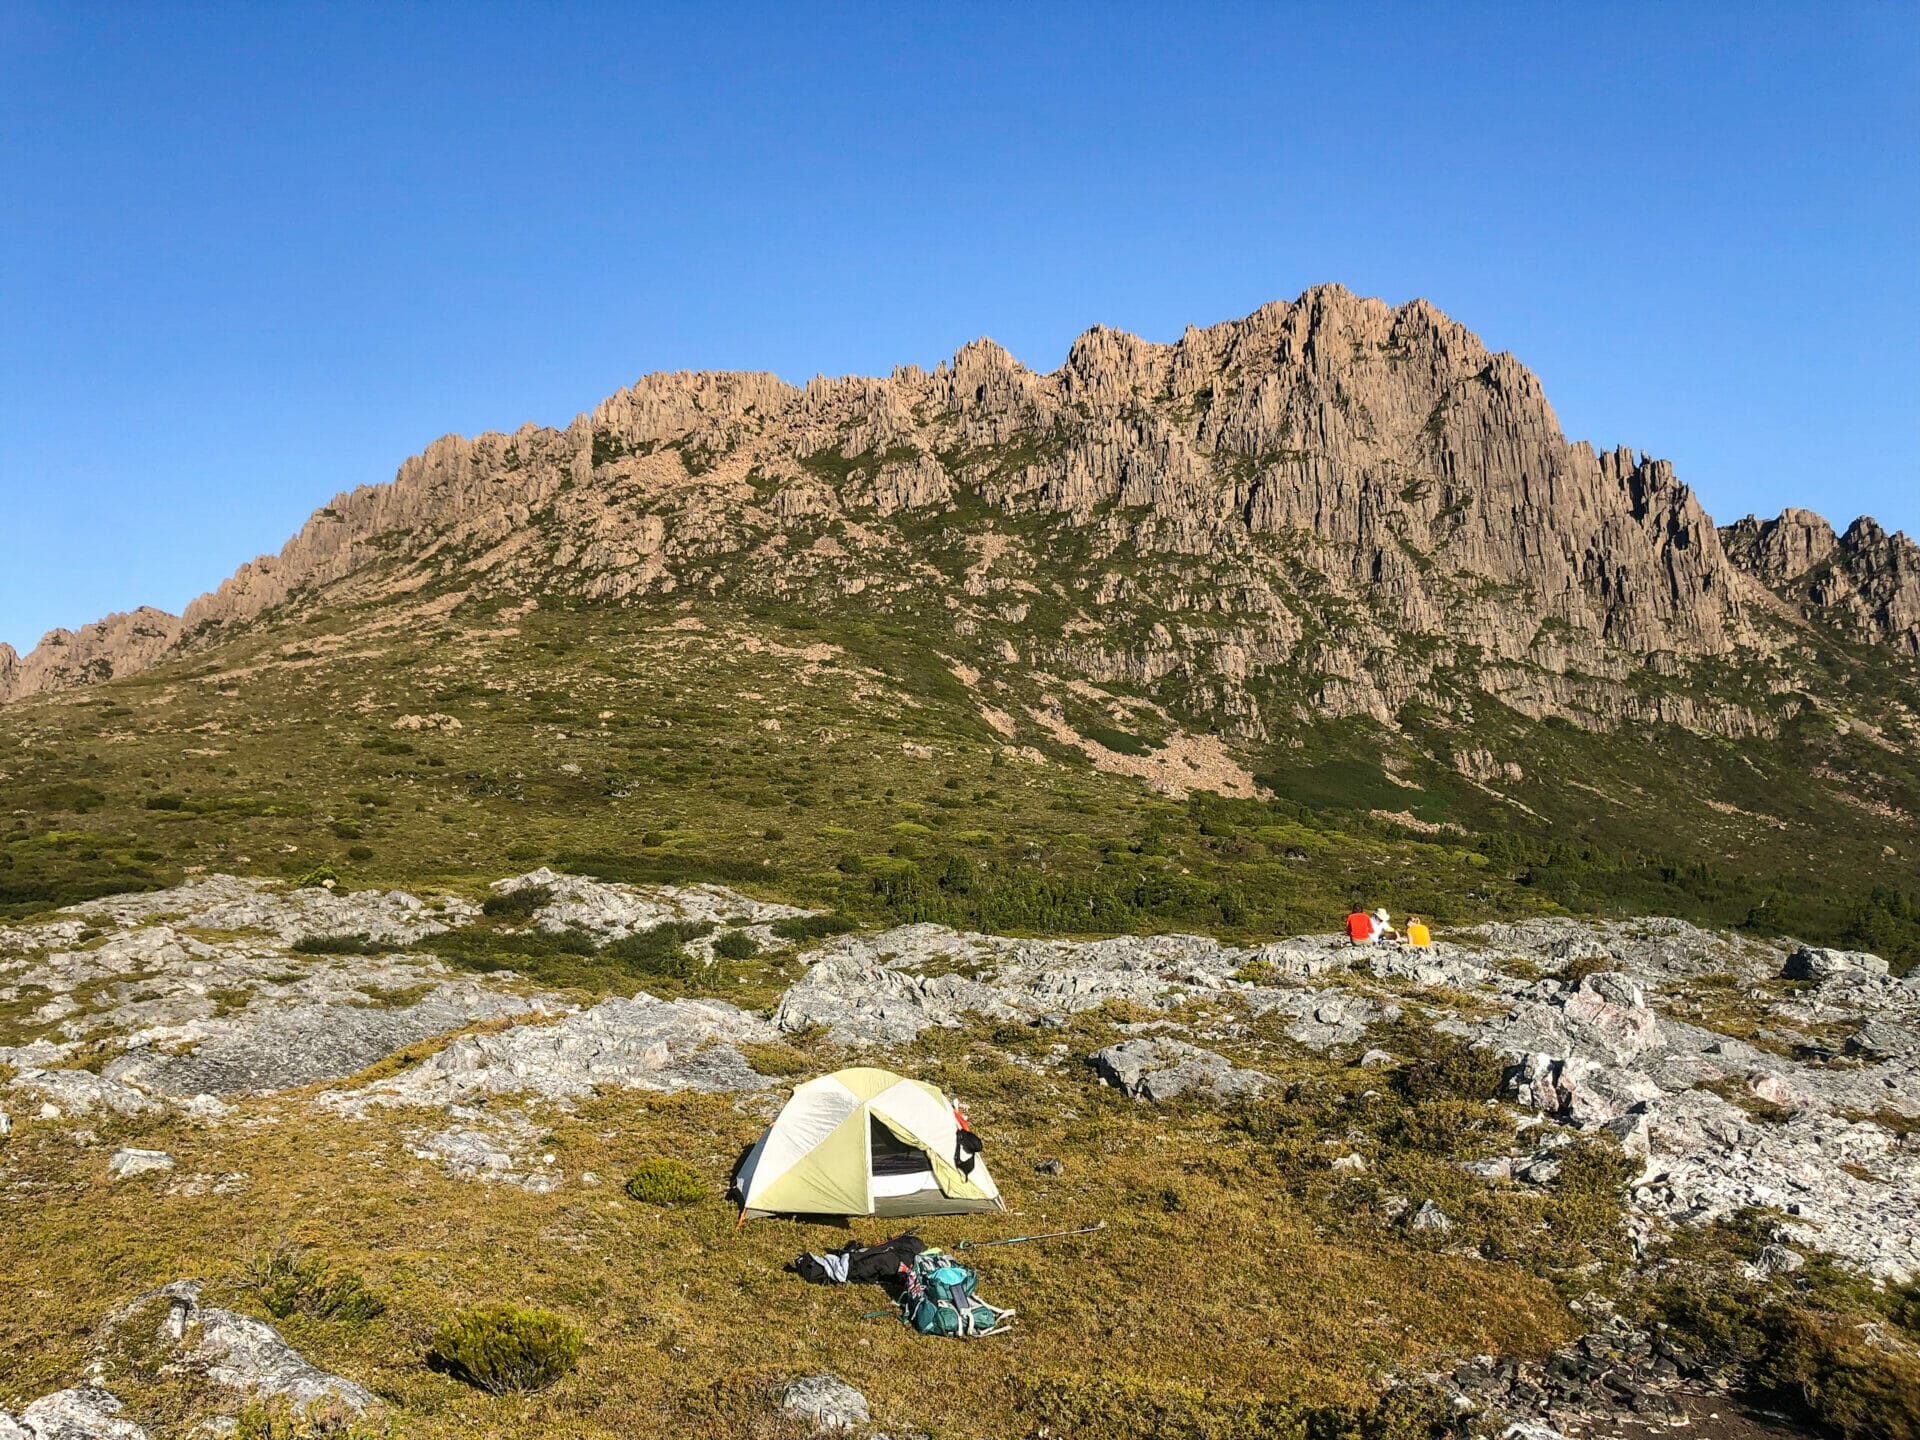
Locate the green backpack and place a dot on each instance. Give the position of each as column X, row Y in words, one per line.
column 938, row 1299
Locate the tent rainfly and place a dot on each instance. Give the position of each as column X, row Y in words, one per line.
column 866, row 1142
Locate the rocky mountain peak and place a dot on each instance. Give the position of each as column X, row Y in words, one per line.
column 1347, row 504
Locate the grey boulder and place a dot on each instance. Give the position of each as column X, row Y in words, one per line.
column 1430, row 1217
column 1811, row 962
column 1158, row 1069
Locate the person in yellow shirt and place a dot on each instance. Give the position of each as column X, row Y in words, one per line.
column 1418, row 936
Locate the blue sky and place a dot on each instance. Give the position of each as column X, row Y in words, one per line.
column 253, row 255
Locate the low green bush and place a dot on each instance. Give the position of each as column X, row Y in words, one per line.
column 64, row 796
column 659, row 951
column 359, row 852
column 517, row 904
column 666, row 1182
column 1451, row 1069
column 503, row 1349
column 1827, row 1368
column 736, row 945
column 280, row 1420
column 337, row 945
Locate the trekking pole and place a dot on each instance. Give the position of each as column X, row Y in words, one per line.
column 1023, row 1239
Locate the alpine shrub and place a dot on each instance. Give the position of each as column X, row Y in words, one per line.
column 1828, row 1369
column 1115, row 1406
column 813, row 927
column 279, row 1420
column 517, row 903
column 666, row 1182
column 659, row 951
column 503, row 1349
column 1452, row 1070
column 289, row 1283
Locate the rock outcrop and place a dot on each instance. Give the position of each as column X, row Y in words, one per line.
column 1271, row 504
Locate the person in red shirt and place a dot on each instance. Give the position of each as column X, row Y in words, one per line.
column 1360, row 927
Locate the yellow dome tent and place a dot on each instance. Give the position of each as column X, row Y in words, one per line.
column 865, row 1142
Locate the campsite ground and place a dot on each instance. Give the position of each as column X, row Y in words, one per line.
column 1209, row 1278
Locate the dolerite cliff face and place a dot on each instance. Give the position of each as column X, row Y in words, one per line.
column 1864, row 584
column 1331, row 507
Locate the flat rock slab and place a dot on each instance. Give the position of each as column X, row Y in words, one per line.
column 237, row 1351
column 230, row 902
column 286, row 1046
column 612, row 910
column 81, row 1092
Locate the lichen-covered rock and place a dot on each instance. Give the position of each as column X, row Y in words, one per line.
column 860, row 1001
column 85, row 1412
column 825, row 1402
column 1430, row 1217
column 230, row 902
column 611, row 910
column 80, row 1092
column 278, row 1046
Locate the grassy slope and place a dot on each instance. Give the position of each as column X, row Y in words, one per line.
column 609, row 739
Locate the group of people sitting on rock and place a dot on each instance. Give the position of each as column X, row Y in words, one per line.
column 1377, row 929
